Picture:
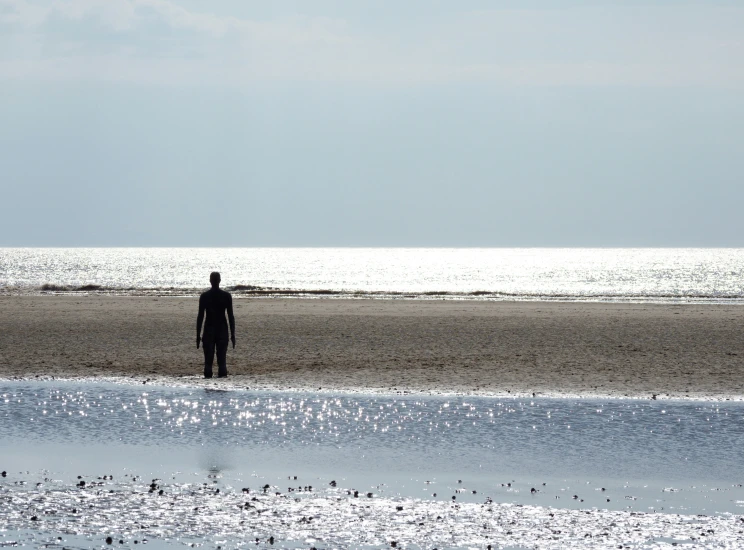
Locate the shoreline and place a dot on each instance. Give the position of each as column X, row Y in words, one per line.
column 236, row 384
column 266, row 293
column 392, row 347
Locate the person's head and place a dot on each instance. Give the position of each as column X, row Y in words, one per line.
column 214, row 278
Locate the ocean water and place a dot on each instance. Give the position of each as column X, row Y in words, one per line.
column 615, row 274
column 182, row 467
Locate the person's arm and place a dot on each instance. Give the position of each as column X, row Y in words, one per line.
column 231, row 319
column 199, row 320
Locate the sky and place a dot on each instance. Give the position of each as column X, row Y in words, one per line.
column 371, row 123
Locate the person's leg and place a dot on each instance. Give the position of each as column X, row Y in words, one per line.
column 208, row 346
column 222, row 358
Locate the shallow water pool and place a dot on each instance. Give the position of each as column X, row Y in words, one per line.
column 199, row 466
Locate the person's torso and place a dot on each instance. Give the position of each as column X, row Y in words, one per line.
column 215, row 303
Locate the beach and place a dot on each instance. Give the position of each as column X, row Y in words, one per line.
column 341, row 425
column 417, row 346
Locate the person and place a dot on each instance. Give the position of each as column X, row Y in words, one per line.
column 215, row 303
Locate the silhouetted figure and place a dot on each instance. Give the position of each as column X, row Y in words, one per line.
column 215, row 303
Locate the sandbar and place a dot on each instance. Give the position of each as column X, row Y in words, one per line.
column 390, row 346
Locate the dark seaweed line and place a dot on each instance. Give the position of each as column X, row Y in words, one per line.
column 261, row 291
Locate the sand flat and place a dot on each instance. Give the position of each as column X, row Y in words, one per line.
column 383, row 345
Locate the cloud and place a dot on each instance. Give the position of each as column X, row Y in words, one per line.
column 125, row 15
column 21, row 13
column 163, row 41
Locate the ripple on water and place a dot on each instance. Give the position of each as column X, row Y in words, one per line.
column 169, row 466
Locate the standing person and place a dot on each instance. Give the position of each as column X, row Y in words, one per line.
column 215, row 303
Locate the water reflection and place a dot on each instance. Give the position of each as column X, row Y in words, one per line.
column 304, row 455
column 659, row 275
column 622, row 439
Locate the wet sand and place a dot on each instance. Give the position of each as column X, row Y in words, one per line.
column 634, row 350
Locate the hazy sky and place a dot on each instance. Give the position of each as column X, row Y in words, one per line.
column 364, row 123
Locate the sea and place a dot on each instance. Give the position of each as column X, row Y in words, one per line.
column 102, row 463
column 654, row 275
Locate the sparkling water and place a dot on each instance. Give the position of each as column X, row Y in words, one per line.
column 645, row 275
column 183, row 466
